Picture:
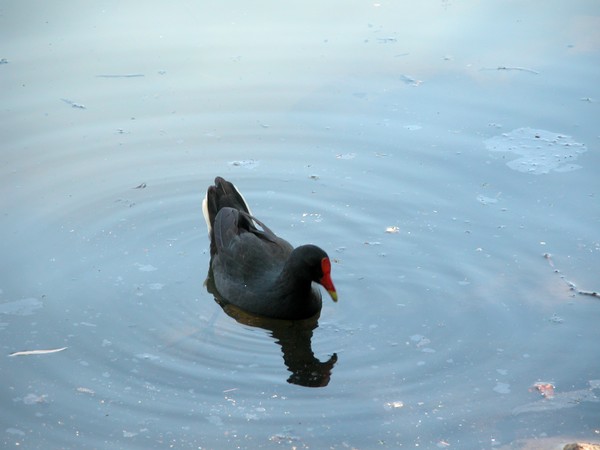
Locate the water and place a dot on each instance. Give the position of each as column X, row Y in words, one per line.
column 464, row 277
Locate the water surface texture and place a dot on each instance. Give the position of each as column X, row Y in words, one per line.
column 445, row 155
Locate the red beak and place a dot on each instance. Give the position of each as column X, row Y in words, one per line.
column 325, row 280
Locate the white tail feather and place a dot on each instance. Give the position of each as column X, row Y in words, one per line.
column 207, row 216
column 205, row 213
column 242, row 197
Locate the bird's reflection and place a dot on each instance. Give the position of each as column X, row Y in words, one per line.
column 294, row 337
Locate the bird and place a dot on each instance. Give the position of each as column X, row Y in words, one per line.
column 254, row 269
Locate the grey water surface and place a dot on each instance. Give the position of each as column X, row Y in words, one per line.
column 445, row 155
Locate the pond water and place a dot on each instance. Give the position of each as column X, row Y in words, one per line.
column 444, row 154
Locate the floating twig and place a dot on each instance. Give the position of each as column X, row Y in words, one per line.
column 520, row 69
column 38, row 352
column 572, row 286
column 73, row 104
column 590, row 293
column 126, row 75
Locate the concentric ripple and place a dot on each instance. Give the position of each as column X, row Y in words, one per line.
column 462, row 283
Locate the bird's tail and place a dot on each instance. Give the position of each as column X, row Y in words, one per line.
column 222, row 194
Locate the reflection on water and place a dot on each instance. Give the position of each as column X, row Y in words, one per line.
column 294, row 337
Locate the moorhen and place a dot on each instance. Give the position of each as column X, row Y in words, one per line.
column 256, row 270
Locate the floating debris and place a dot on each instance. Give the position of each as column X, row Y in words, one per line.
column 561, row 400
column 502, row 388
column 141, row 186
column 393, row 405
column 546, row 389
column 486, row 200
column 519, row 69
column 345, row 156
column 23, row 307
column 73, row 104
column 247, row 163
column 33, row 399
column 314, row 217
column 572, row 286
column 407, row 79
column 555, row 318
column 147, row 357
column 127, row 75
column 145, row 267
column 420, row 340
column 540, row 151
column 591, row 293
column 548, row 256
column 15, row 431
column 38, row 352
column 85, row 390
column 284, row 438
column 125, row 202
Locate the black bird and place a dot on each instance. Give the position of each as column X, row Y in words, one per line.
column 256, row 270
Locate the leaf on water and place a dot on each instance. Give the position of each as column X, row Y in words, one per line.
column 38, row 352
column 546, row 389
column 559, row 400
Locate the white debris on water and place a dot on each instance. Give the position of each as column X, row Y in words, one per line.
column 23, row 307
column 540, row 151
column 502, row 388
